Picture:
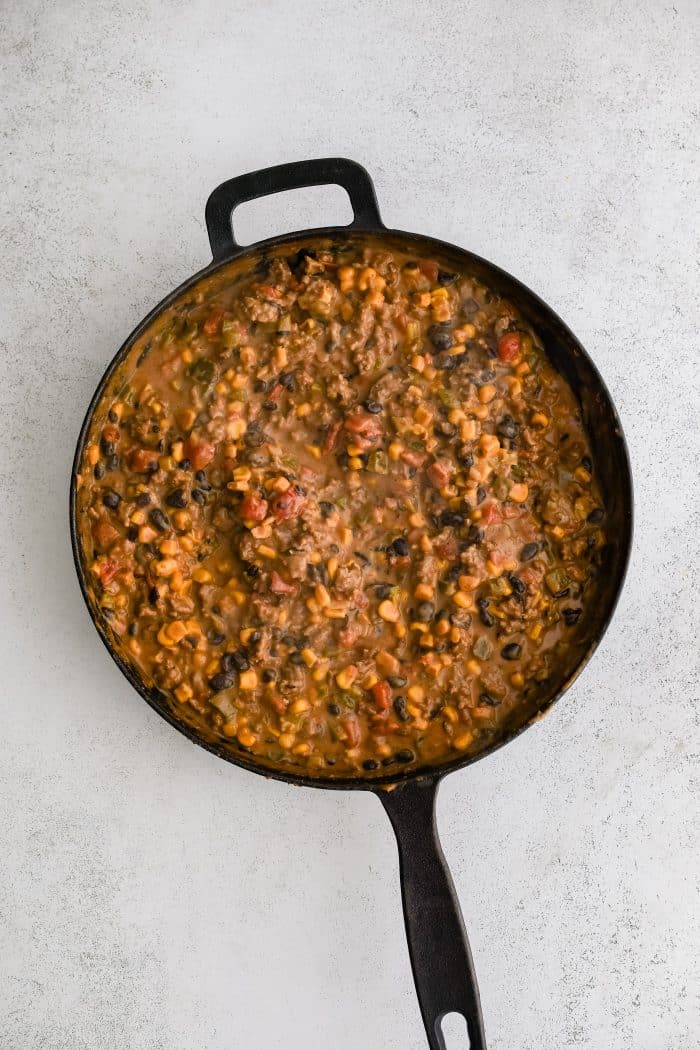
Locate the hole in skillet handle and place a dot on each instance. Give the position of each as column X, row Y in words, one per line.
column 289, row 211
column 453, row 1030
column 324, row 172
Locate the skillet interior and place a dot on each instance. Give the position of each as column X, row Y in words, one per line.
column 567, row 356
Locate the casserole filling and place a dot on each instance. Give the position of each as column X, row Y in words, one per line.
column 343, row 512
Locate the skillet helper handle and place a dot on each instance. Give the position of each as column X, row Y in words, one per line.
column 437, row 941
column 323, row 172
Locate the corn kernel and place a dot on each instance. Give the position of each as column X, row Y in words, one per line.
column 183, row 692
column 423, row 592
column 487, row 393
column 346, row 677
column 246, row 738
column 266, row 552
column 299, row 706
column 519, row 492
column 201, row 576
column 463, row 600
column 415, row 693
column 473, row 666
column 286, row 740
column 463, row 741
column 450, row 714
column 248, row 679
column 388, row 611
column 539, row 419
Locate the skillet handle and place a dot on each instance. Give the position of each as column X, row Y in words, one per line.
column 346, row 173
column 437, row 941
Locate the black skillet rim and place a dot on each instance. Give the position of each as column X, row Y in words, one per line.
column 157, row 700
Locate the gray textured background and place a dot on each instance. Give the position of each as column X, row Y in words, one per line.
column 152, row 897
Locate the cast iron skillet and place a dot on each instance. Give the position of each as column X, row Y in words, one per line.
column 438, row 946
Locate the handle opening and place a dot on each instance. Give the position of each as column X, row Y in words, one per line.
column 290, row 210
column 452, row 1029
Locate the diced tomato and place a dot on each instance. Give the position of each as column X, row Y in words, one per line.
column 279, row 703
column 331, row 438
column 510, row 347
column 366, row 430
column 199, row 452
column 496, row 556
column 213, row 322
column 288, row 504
column 381, row 693
column 108, row 570
column 414, row 458
column 280, row 586
column 104, row 534
column 143, row 460
column 351, row 728
column 440, row 472
column 268, row 291
column 253, row 508
column 276, row 392
column 512, row 510
column 429, row 269
column 491, row 514
column 111, row 433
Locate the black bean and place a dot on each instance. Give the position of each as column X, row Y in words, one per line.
column 287, row 380
column 296, row 658
column 475, row 535
column 132, row 533
column 113, row 462
column 399, row 547
column 440, row 335
column 405, row 755
column 465, row 456
column 383, row 590
column 270, row 406
column 488, row 700
column 396, row 681
column 370, row 764
column 480, row 495
column 333, row 709
column 297, row 263
column 445, row 277
column 153, row 596
column 361, row 557
column 108, row 447
column 587, row 464
column 571, row 616
column 159, row 520
column 111, row 499
column 529, row 551
column 222, row 681
column 374, row 407
column 216, row 637
column 143, row 499
column 260, row 386
column 132, row 630
column 596, row 515
column 254, row 437
column 511, row 651
column 486, row 618
column 184, row 464
column 199, row 497
column 448, row 362
column 451, row 518
column 562, row 593
column 112, row 416
column 99, row 471
column 326, row 508
column 516, row 583
column 425, row 612
column 177, row 498
column 236, row 661
column 507, row 427
column 252, row 570
column 268, row 675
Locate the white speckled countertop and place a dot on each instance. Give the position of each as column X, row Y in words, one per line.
column 154, row 898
